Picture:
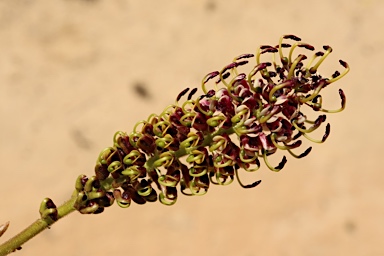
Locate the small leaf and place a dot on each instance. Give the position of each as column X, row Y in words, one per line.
column 4, row 228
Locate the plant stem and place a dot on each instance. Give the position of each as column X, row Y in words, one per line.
column 36, row 227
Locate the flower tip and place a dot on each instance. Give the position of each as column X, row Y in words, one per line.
column 336, row 74
column 224, row 76
column 263, row 47
column 244, row 56
column 194, row 90
column 305, row 153
column 343, row 98
column 230, row 66
column 210, row 76
column 307, row 46
column 269, row 49
column 254, row 184
column 327, row 48
column 281, row 164
column 344, row 64
column 292, row 37
column 327, row 132
column 320, row 119
column 182, row 93
column 241, row 63
column 296, row 144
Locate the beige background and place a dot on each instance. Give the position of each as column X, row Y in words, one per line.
column 68, row 73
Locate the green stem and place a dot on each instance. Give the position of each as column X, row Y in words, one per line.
column 36, row 227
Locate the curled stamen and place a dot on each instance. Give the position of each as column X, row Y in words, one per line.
column 105, row 155
column 207, row 78
column 339, row 76
column 273, row 98
column 242, row 114
column 294, row 64
column 191, row 141
column 307, row 67
column 257, row 68
column 96, row 194
column 284, row 60
column 219, row 143
column 196, row 156
column 252, row 185
column 197, row 172
column 243, row 56
column 328, row 50
column 164, row 142
column 302, row 45
column 181, row 94
column 194, row 90
column 90, row 184
column 343, row 103
column 166, row 201
column 186, row 120
column 305, row 153
column 221, row 179
column 216, row 120
column 286, row 146
column 222, row 78
column 168, row 180
column 320, row 86
column 222, row 161
column 165, row 159
column 265, row 118
column 122, row 199
column 132, row 172
column 132, row 157
column 278, row 167
column 268, row 49
column 145, row 191
column 248, row 168
column 325, row 136
column 198, row 105
column 223, row 75
column 91, row 208
column 247, row 160
column 316, row 125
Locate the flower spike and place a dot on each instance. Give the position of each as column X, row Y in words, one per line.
column 210, row 138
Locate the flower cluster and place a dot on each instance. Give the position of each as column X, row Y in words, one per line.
column 208, row 139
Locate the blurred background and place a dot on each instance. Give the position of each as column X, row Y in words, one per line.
column 73, row 72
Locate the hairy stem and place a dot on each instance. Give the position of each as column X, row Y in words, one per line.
column 36, row 227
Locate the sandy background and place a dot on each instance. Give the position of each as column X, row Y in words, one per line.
column 69, row 73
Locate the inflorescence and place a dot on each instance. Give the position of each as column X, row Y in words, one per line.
column 208, row 139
